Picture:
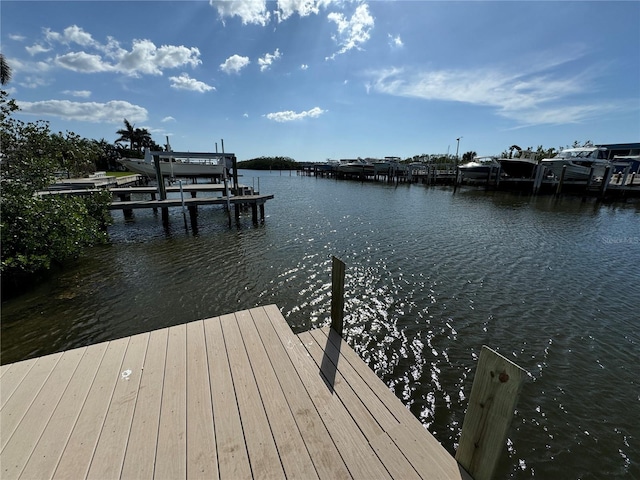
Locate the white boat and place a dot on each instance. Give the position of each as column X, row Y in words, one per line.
column 389, row 166
column 479, row 168
column 181, row 164
column 579, row 162
column 356, row 167
column 522, row 165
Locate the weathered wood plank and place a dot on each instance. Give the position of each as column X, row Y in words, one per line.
column 494, row 394
column 263, row 455
column 233, row 459
column 16, row 452
column 12, row 376
column 327, row 358
column 171, row 457
column 325, row 457
column 356, row 452
column 48, row 449
column 109, row 453
column 202, row 461
column 17, row 405
column 140, row 457
column 291, row 448
column 76, row 456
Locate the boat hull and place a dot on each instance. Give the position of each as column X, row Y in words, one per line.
column 356, row 169
column 518, row 168
column 173, row 169
column 573, row 170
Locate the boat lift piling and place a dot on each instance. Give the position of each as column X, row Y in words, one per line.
column 561, row 182
column 224, row 177
column 606, row 178
column 162, row 191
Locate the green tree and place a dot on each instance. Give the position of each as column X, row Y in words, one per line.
column 5, row 70
column 138, row 139
column 37, row 231
column 127, row 134
column 269, row 163
column 469, row 156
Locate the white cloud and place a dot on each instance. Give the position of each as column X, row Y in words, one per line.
column 353, row 32
column 144, row 58
column 37, row 48
column 234, row 64
column 266, row 61
column 83, row 62
column 17, row 38
column 185, row 82
column 304, row 66
column 245, row 115
column 31, row 81
column 18, row 65
column 78, row 93
column 304, row 8
column 527, row 97
column 249, row 11
column 71, row 34
column 395, row 42
column 168, row 119
column 291, row 116
column 110, row 112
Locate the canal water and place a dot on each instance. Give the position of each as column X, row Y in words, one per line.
column 432, row 275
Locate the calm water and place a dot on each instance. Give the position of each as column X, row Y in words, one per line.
column 553, row 285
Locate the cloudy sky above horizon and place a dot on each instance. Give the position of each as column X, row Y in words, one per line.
column 318, row 79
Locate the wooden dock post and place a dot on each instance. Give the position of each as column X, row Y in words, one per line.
column 161, row 189
column 606, row 178
column 494, row 394
column 561, row 182
column 337, row 295
column 538, row 176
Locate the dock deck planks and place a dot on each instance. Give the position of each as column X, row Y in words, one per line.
column 236, row 396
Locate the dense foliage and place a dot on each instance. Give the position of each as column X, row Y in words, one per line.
column 269, row 163
column 39, row 231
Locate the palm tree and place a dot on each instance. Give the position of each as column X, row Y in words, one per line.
column 143, row 138
column 5, row 70
column 469, row 156
column 127, row 134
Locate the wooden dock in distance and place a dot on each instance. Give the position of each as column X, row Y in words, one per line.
column 242, row 196
column 236, row 396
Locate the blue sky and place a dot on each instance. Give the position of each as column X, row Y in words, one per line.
column 330, row 79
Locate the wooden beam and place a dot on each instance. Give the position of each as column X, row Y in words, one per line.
column 494, row 394
column 337, row 295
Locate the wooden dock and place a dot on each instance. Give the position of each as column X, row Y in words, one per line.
column 231, row 397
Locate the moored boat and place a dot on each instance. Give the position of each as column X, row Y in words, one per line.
column 521, row 165
column 389, row 166
column 479, row 168
column 578, row 162
column 356, row 167
column 181, row 164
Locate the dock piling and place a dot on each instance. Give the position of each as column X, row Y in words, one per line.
column 561, row 182
column 494, row 394
column 337, row 295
